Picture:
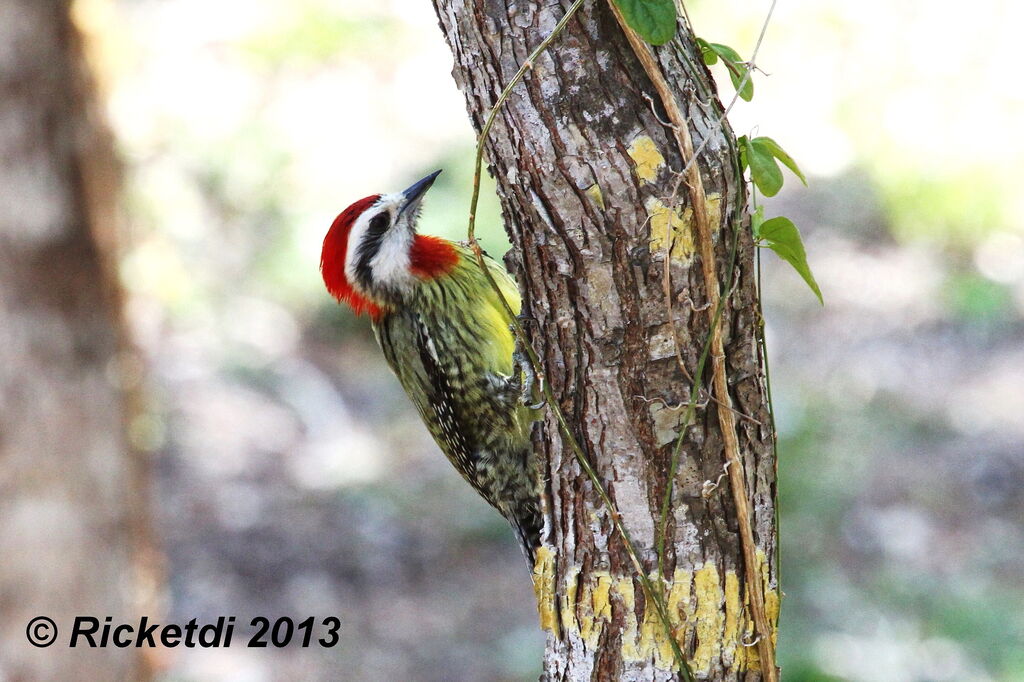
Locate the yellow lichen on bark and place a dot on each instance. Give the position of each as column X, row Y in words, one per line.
column 708, row 615
column 595, row 194
column 669, row 225
column 772, row 602
column 630, row 645
column 568, row 601
column 586, row 606
column 704, row 606
column 597, row 609
column 772, row 605
column 679, row 609
column 544, row 589
column 733, row 653
column 654, row 642
column 676, row 226
column 647, row 158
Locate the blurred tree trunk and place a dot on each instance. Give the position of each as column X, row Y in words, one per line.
column 584, row 171
column 69, row 490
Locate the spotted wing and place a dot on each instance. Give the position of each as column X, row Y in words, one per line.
column 436, row 388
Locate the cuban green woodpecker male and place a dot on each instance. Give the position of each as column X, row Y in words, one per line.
column 446, row 335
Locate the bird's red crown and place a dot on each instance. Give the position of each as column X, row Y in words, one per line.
column 332, row 259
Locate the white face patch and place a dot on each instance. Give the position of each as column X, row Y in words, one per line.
column 389, row 266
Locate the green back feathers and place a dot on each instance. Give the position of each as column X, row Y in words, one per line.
column 477, row 305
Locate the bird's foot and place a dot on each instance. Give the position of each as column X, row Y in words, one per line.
column 525, row 379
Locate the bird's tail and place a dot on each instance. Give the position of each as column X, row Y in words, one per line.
column 529, row 529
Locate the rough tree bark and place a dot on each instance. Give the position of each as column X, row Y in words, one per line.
column 69, row 501
column 585, row 173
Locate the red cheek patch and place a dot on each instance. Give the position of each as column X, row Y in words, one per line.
column 432, row 257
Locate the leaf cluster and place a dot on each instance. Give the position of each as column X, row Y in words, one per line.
column 762, row 156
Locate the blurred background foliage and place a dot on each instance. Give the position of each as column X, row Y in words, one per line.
column 292, row 475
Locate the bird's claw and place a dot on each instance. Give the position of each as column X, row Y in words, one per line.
column 525, row 379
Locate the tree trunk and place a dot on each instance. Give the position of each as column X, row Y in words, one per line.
column 585, row 174
column 68, row 487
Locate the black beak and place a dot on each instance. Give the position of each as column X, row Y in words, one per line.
column 418, row 189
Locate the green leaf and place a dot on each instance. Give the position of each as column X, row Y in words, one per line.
column 654, row 20
column 737, row 69
column 779, row 153
column 782, row 237
column 707, row 52
column 756, row 221
column 736, row 74
column 764, row 171
column 726, row 52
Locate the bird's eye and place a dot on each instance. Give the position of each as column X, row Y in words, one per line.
column 379, row 223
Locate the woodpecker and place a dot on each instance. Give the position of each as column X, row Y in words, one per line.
column 446, row 336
